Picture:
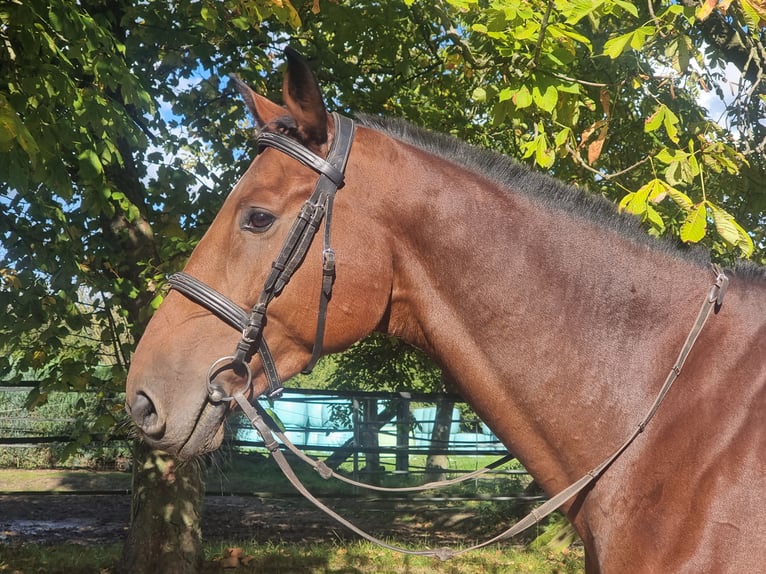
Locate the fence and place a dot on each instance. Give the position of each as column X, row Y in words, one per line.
column 387, row 429
column 392, row 431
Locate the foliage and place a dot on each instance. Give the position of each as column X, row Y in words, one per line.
column 103, row 194
column 384, row 363
column 119, row 135
column 85, row 419
column 606, row 94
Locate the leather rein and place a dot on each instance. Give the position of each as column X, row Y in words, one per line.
column 316, row 209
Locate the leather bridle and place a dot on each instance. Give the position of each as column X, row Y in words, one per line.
column 316, row 209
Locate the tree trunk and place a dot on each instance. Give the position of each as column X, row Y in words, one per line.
column 437, row 462
column 165, row 535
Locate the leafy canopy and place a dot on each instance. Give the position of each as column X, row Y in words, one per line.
column 119, row 135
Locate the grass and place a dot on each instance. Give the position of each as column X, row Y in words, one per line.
column 243, row 473
column 330, row 558
column 250, row 474
column 62, row 480
column 66, row 558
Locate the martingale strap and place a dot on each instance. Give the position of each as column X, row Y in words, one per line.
column 326, row 472
column 258, row 418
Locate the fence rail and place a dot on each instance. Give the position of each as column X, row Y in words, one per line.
column 381, row 429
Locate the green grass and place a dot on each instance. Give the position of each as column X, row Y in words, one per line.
column 66, row 558
column 254, row 474
column 62, row 480
column 350, row 558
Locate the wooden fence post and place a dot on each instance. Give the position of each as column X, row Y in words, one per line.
column 403, row 434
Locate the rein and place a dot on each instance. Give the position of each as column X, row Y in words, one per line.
column 267, row 429
column 316, row 209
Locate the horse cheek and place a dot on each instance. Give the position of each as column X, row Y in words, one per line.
column 358, row 306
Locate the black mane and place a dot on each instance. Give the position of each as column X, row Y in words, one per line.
column 515, row 176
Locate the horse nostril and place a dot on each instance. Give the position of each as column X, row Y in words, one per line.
column 146, row 417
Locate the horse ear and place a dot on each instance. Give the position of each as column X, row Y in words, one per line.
column 263, row 109
column 303, row 99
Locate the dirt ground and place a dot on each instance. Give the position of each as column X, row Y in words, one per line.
column 103, row 518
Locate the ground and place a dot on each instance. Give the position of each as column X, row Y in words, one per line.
column 55, row 510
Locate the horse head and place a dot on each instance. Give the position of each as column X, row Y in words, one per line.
column 188, row 359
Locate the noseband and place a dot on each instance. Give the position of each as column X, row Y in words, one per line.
column 318, row 207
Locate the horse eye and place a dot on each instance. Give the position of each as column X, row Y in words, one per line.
column 258, row 220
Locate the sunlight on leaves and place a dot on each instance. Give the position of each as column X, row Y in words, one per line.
column 731, row 232
column 693, row 228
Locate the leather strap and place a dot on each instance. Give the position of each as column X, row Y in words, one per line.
column 713, row 301
column 295, row 150
column 318, row 208
column 344, row 135
column 326, row 472
column 207, row 297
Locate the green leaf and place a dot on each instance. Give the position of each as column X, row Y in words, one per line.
column 638, row 202
column 90, row 163
column 752, row 17
column 563, row 34
column 629, row 7
column 670, row 121
column 657, row 191
column 693, row 228
column 576, row 10
column 663, row 116
column 730, row 231
column 522, row 98
column 562, row 137
column 479, row 94
column 680, row 198
column 545, row 156
column 654, row 218
column 724, row 224
column 668, row 156
column 635, row 40
column 545, row 100
column 639, row 37
column 103, row 423
column 654, row 121
column 632, row 203
column 679, row 172
column 539, row 148
column 156, row 302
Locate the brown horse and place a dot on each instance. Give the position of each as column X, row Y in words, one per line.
column 556, row 318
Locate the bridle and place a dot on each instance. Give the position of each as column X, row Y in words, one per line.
column 317, row 208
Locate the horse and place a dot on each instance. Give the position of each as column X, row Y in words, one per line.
column 556, row 317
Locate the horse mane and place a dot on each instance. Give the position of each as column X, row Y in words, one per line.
column 551, row 192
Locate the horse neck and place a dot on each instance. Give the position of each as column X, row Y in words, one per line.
column 536, row 314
